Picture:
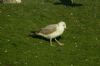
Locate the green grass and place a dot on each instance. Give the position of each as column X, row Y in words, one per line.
column 82, row 39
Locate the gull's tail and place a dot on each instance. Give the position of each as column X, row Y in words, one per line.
column 33, row 33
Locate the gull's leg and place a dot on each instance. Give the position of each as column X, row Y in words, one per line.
column 51, row 41
column 58, row 42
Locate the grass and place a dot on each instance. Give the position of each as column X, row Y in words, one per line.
column 82, row 39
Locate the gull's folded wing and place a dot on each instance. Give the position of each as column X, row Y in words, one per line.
column 48, row 29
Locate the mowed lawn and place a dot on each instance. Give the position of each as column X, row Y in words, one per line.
column 81, row 39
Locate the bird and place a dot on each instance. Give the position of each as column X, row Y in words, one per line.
column 52, row 31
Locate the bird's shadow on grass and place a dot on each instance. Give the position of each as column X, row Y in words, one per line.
column 1, row 1
column 67, row 3
column 40, row 37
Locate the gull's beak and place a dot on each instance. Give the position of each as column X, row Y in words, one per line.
column 66, row 28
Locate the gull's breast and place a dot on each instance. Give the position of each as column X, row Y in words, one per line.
column 56, row 33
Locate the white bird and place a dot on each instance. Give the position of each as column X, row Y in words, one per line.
column 52, row 31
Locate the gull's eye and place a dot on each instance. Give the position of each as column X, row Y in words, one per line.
column 64, row 25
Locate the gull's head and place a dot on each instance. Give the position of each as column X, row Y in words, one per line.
column 63, row 24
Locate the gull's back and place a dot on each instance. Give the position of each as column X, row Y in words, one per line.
column 48, row 29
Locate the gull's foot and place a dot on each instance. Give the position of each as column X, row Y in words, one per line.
column 61, row 44
column 52, row 45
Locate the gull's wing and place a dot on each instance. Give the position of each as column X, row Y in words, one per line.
column 48, row 29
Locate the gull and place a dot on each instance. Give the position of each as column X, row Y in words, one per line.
column 52, row 32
